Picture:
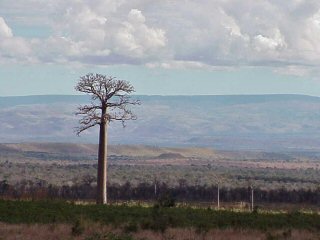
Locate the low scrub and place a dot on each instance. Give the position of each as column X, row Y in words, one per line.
column 158, row 218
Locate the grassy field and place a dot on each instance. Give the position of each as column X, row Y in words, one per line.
column 128, row 221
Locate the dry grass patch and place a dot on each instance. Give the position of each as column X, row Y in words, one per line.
column 34, row 231
column 94, row 231
column 229, row 234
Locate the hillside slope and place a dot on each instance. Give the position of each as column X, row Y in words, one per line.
column 71, row 149
column 253, row 122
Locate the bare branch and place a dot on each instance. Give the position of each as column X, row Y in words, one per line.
column 122, row 100
column 119, row 87
column 80, row 129
column 91, row 84
column 110, row 101
column 87, row 109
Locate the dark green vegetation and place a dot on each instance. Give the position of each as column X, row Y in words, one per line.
column 156, row 218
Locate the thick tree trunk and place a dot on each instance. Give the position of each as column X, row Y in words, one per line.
column 102, row 166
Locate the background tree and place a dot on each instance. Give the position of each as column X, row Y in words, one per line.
column 109, row 101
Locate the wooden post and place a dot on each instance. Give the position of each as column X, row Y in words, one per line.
column 251, row 198
column 155, row 189
column 218, row 196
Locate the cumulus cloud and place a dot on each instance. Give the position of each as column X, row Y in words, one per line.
column 101, row 35
column 274, row 42
column 173, row 34
column 12, row 48
column 5, row 31
column 135, row 39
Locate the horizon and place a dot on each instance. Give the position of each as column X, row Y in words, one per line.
column 176, row 95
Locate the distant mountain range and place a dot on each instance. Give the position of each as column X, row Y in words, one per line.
column 244, row 122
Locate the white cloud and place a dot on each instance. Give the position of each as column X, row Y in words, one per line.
column 275, row 42
column 12, row 48
column 86, row 33
column 5, row 31
column 178, row 65
column 135, row 16
column 292, row 70
column 167, row 33
column 135, row 39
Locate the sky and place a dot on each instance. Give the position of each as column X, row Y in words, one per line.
column 164, row 47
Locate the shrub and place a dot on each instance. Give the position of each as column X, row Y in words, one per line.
column 255, row 209
column 131, row 227
column 78, row 227
column 166, row 200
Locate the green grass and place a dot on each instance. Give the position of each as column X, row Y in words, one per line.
column 155, row 218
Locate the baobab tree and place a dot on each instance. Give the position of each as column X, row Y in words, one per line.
column 110, row 101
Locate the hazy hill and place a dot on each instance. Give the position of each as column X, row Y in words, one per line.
column 71, row 149
column 267, row 122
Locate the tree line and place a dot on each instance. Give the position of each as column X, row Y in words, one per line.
column 153, row 191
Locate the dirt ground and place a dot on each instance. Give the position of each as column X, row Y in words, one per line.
column 94, row 231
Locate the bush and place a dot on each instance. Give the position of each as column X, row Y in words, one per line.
column 166, row 200
column 255, row 209
column 130, row 227
column 78, row 227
